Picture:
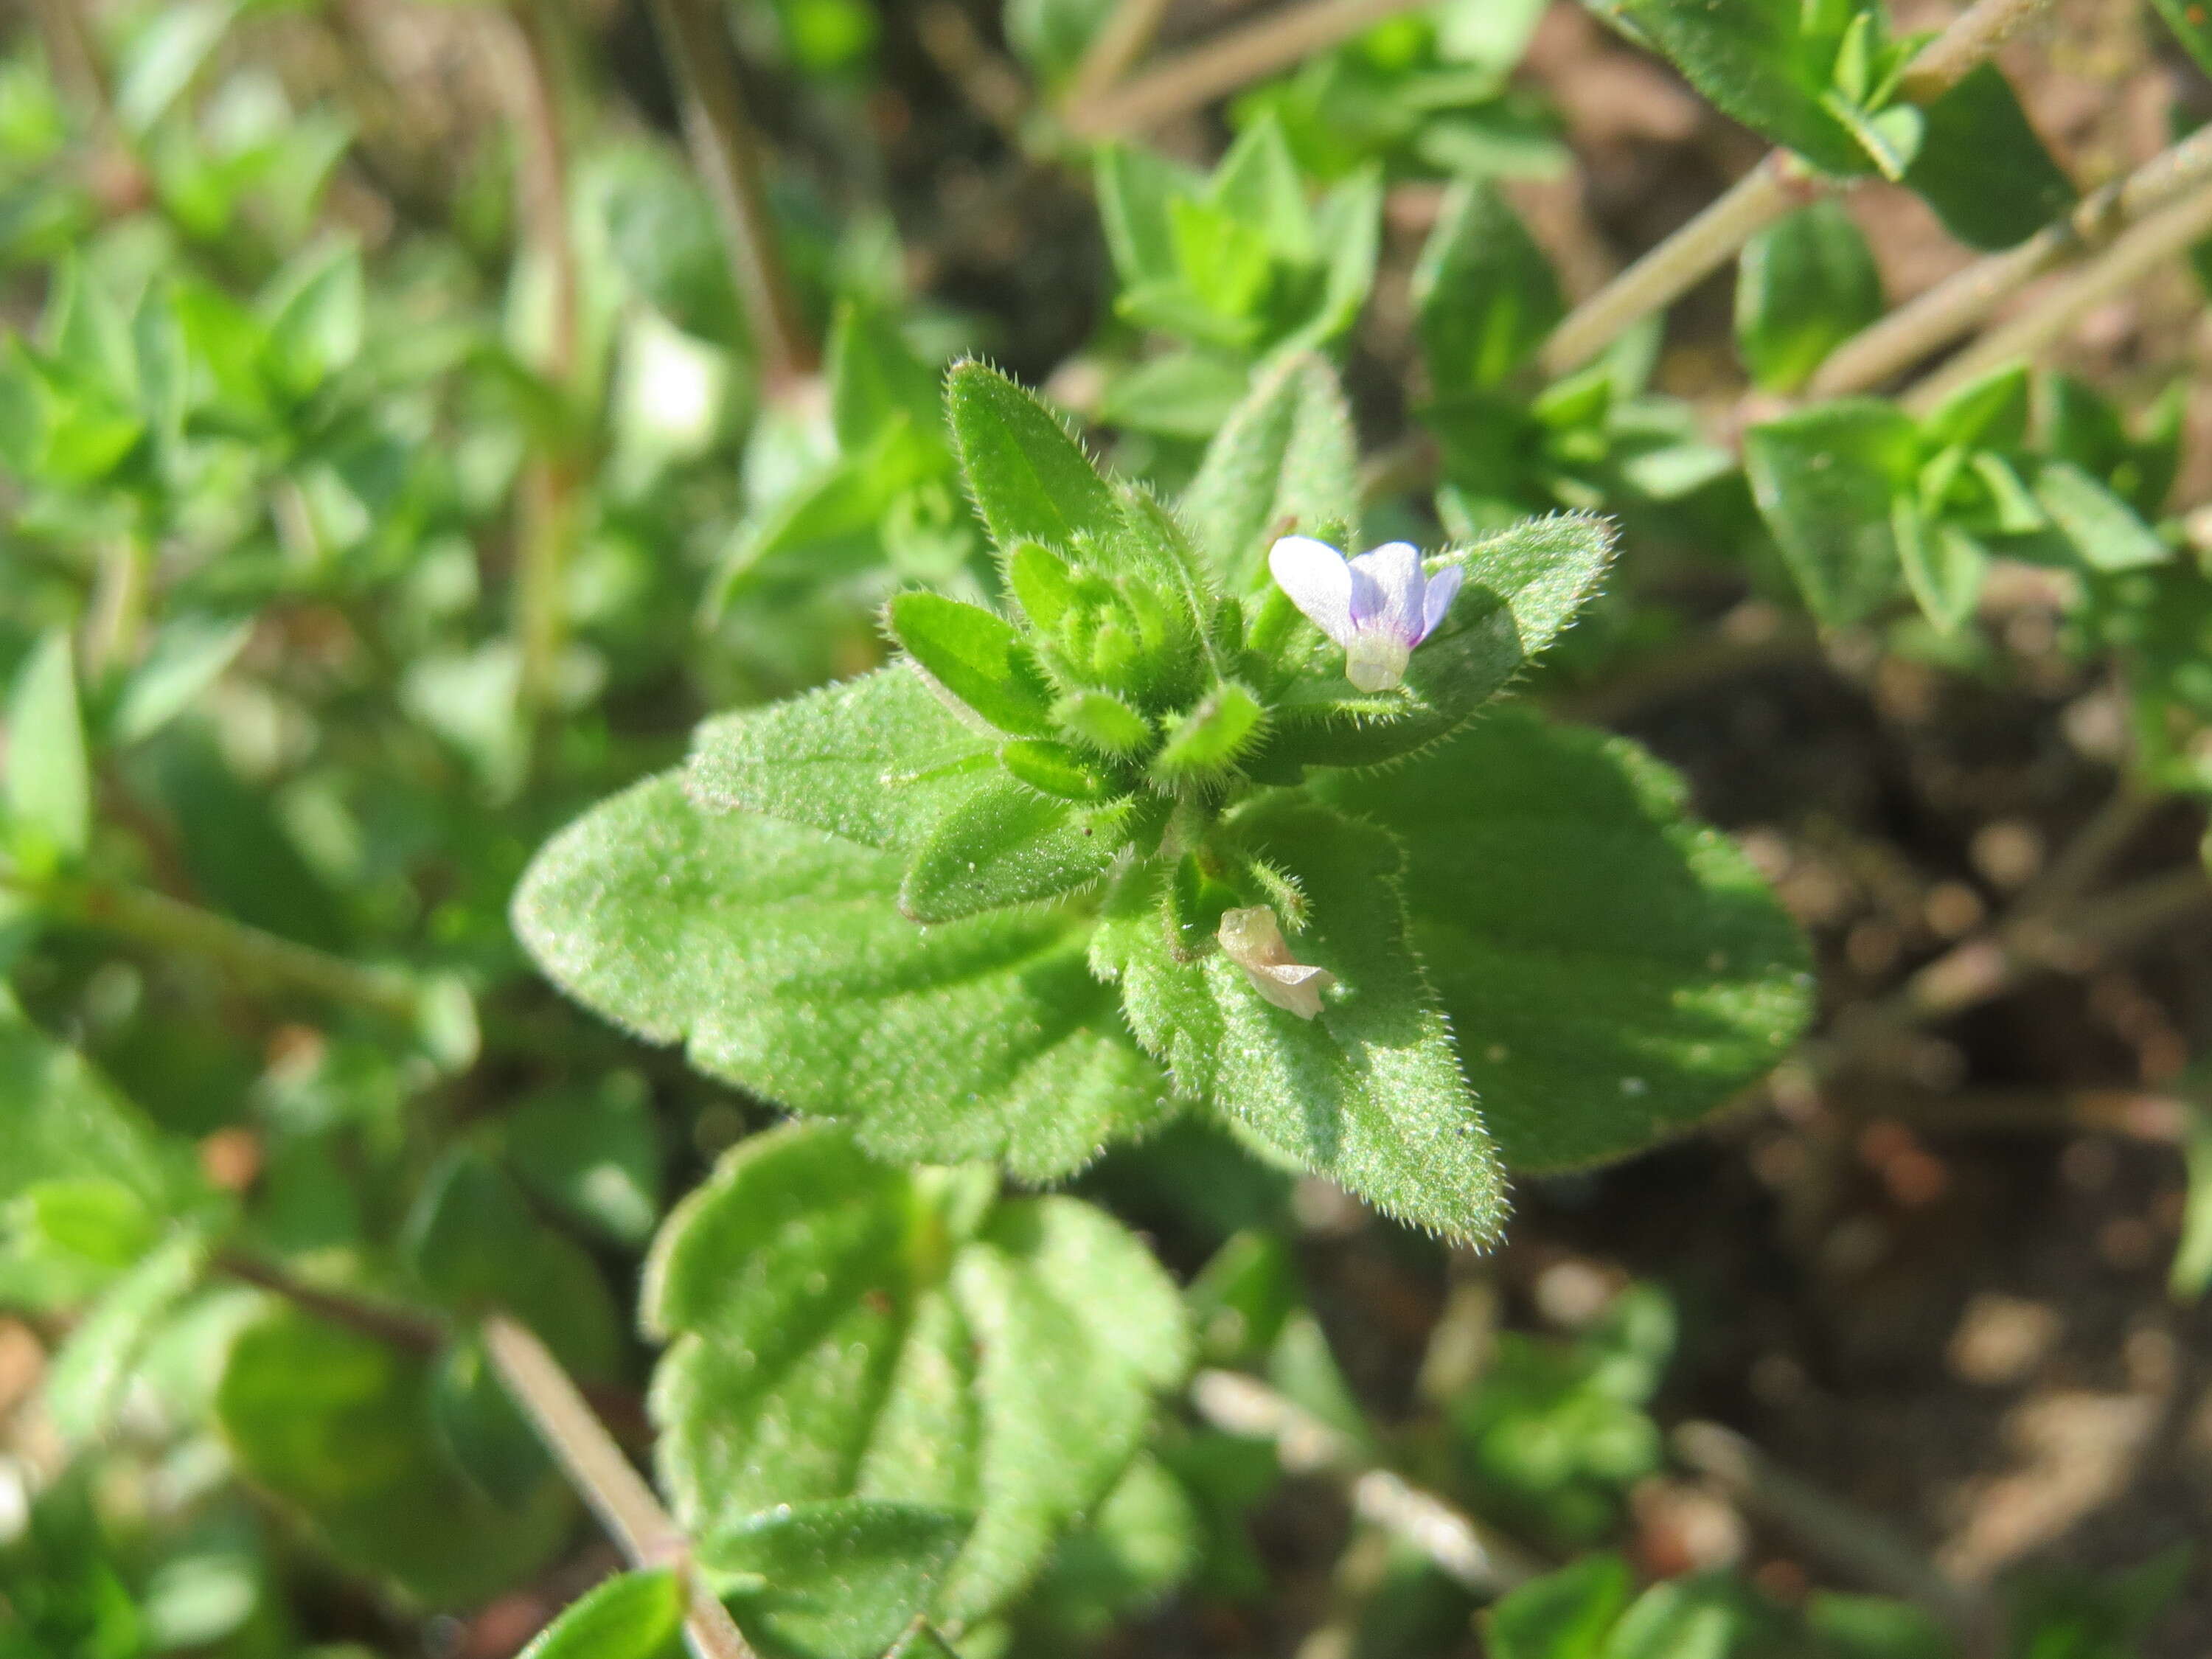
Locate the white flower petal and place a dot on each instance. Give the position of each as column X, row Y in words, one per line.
column 1395, row 569
column 1318, row 580
column 1443, row 589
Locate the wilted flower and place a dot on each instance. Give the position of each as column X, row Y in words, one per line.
column 1378, row 606
column 1253, row 939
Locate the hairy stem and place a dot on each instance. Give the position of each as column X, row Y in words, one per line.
column 1780, row 184
column 1932, row 320
column 1267, row 46
column 1241, row 1405
column 727, row 155
column 606, row 1480
column 2136, row 252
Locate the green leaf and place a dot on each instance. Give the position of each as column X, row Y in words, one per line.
column 839, row 1578
column 1944, row 566
column 877, row 760
column 1057, row 768
column 338, row 1427
column 1824, row 478
column 1257, row 184
column 1750, row 58
column 315, row 313
column 1890, row 137
column 1286, row 460
column 1803, row 287
column 1485, row 295
column 2190, row 1275
column 93, row 1368
column 1142, row 1543
column 65, row 1121
column 2104, row 531
column 1585, row 1039
column 979, row 657
column 1205, row 743
column 922, row 1642
column 839, row 1329
column 877, row 381
column 1874, row 1627
column 2193, row 25
column 166, row 55
column 594, row 1153
column 1982, row 166
column 1990, row 413
column 1348, row 225
column 1523, row 588
column 189, row 654
column 1181, row 394
column 474, row 1244
column 1136, row 189
column 1031, row 481
column 1567, row 1614
column 1678, row 1619
column 633, row 1615
column 479, row 1426
column 779, row 956
column 49, row 778
column 1006, row 845
column 1369, row 1093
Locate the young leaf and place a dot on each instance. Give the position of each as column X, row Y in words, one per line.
column 1369, row 1093
column 1523, row 588
column 1981, row 165
column 1585, row 1040
column 876, row 381
column 337, row 1426
column 1484, row 294
column 1006, row 845
column 1286, row 461
column 779, row 956
column 1031, row 482
column 838, row 1578
column 1257, row 184
column 922, row 1642
column 1944, row 566
column 63, row 1120
column 1136, row 189
column 188, row 655
column 1749, row 57
column 978, row 657
column 1824, row 478
column 840, row 1328
column 1990, row 413
column 1348, row 226
column 1803, row 287
column 87, row 1379
column 49, row 778
column 2103, row 530
column 315, row 315
column 1180, row 394
column 633, row 1615
column 594, row 1154
column 1565, row 1614
column 877, row 760
column 1205, row 743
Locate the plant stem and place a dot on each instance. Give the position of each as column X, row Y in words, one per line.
column 2142, row 249
column 727, row 155
column 1932, row 320
column 1115, row 50
column 1857, row 1543
column 543, row 509
column 606, row 1480
column 1241, row 1405
column 155, row 919
column 1777, row 186
column 116, row 625
column 1262, row 47
column 398, row 1328
column 986, row 78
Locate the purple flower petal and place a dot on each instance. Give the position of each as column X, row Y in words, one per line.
column 1444, row 588
column 1319, row 583
column 1395, row 571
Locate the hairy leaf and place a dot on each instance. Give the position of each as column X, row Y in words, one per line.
column 1369, row 1093
column 778, row 956
column 978, row 657
column 1824, row 479
column 1031, row 481
column 841, row 1329
column 1286, row 461
column 633, row 1615
column 1982, row 168
column 1614, row 969
column 1485, row 294
column 1008, row 845
column 835, row 1579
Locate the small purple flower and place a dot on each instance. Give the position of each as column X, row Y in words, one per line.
column 1378, row 606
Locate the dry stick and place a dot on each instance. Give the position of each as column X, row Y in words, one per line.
column 1934, row 320
column 1243, row 1406
column 1260, row 48
column 2134, row 255
column 1858, row 1543
column 607, row 1481
column 727, row 155
column 1778, row 186
column 1115, row 50
column 545, row 504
